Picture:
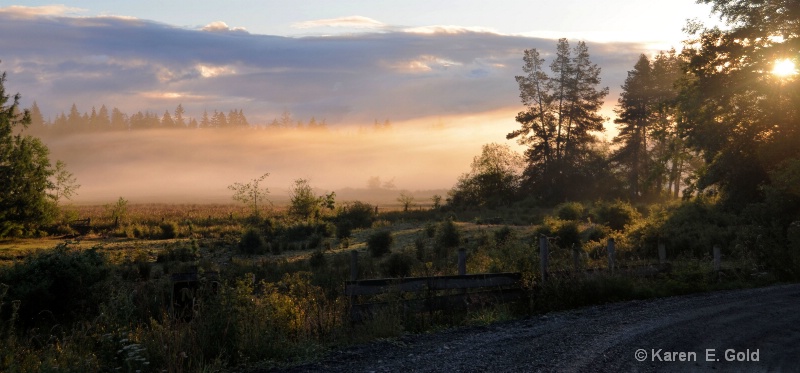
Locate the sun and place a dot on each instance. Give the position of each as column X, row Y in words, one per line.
column 784, row 68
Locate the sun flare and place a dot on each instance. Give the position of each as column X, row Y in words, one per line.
column 784, row 68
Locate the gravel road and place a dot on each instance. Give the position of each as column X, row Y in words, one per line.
column 759, row 326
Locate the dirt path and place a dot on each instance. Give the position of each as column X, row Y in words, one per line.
column 710, row 329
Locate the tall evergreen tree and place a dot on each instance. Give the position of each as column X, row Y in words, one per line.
column 103, row 120
column 180, row 122
column 38, row 126
column 24, row 172
column 560, row 116
column 119, row 121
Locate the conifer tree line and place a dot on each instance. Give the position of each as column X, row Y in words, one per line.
column 711, row 121
column 564, row 158
column 103, row 120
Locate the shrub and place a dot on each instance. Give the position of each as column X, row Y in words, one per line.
column 380, row 243
column 359, row 214
column 169, row 230
column 568, row 234
column 570, row 211
column 503, row 234
column 616, row 215
column 398, row 265
column 344, row 229
column 317, row 260
column 449, row 235
column 64, row 282
column 252, row 242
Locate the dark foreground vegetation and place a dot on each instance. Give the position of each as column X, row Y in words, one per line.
column 712, row 123
column 271, row 289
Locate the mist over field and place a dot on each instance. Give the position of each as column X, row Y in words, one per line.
column 178, row 166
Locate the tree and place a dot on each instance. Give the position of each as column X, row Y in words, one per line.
column 493, row 179
column 167, row 121
column 24, row 172
column 250, row 193
column 305, row 204
column 65, row 184
column 744, row 120
column 119, row 121
column 103, row 121
column 38, row 125
column 179, row 112
column 406, row 200
column 561, row 112
column 650, row 149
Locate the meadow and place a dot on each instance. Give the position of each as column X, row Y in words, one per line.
column 270, row 289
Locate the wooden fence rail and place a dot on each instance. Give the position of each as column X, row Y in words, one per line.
column 418, row 294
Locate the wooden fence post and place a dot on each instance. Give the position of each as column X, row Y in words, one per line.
column 353, row 265
column 717, row 258
column 462, row 262
column 543, row 255
column 662, row 252
column 611, row 255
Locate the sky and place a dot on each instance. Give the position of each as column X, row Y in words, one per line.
column 449, row 64
column 345, row 61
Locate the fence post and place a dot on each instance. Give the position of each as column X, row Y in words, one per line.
column 611, row 255
column 543, row 255
column 662, row 252
column 462, row 262
column 353, row 265
column 717, row 258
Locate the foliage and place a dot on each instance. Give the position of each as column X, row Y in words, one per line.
column 650, row 150
column 448, row 234
column 252, row 242
column 118, row 212
column 561, row 112
column 304, row 204
column 406, row 200
column 616, row 215
column 743, row 119
column 250, row 193
column 359, row 214
column 493, row 179
column 398, row 265
column 57, row 286
column 380, row 243
column 570, row 211
column 169, row 230
column 24, row 172
column 65, row 184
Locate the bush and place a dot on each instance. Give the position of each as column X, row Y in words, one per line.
column 570, row 211
column 169, row 230
column 317, row 260
column 398, row 265
column 504, row 234
column 359, row 214
column 252, row 242
column 380, row 243
column 568, row 234
column 61, row 284
column 616, row 215
column 344, row 229
column 449, row 235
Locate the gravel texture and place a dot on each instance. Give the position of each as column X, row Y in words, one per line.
column 762, row 324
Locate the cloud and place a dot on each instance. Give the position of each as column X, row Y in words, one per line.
column 220, row 26
column 349, row 22
column 347, row 79
column 34, row 11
